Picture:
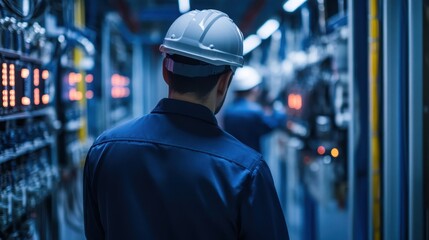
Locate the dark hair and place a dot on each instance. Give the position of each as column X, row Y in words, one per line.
column 201, row 86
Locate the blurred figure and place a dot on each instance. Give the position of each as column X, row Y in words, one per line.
column 245, row 118
column 174, row 174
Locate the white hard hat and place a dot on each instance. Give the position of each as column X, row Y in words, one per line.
column 246, row 78
column 208, row 35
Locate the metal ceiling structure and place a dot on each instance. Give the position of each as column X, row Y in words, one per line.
column 153, row 17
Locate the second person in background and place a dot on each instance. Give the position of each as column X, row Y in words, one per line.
column 245, row 118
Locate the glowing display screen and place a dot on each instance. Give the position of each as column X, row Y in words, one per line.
column 24, row 86
column 120, row 86
column 8, row 83
column 294, row 101
column 4, row 83
column 70, row 83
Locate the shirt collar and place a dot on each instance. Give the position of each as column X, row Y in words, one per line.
column 193, row 110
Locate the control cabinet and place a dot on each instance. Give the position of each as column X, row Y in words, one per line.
column 29, row 171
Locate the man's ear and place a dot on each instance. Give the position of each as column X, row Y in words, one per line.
column 164, row 73
column 223, row 84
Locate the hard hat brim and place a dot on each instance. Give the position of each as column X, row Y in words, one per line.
column 212, row 56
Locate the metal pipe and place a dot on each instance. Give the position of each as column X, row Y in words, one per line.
column 137, row 79
column 415, row 183
column 352, row 133
column 105, row 67
column 322, row 16
column 374, row 136
column 391, row 120
column 341, row 7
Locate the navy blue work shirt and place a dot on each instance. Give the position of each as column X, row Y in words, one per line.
column 247, row 121
column 174, row 174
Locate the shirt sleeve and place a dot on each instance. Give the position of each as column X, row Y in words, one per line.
column 261, row 216
column 272, row 121
column 92, row 222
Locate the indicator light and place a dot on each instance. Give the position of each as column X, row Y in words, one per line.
column 321, row 150
column 45, row 74
column 335, row 153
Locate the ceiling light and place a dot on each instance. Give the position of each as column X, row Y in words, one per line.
column 268, row 28
column 250, row 43
column 292, row 5
column 184, row 6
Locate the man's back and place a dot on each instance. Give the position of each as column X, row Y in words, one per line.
column 246, row 121
column 174, row 174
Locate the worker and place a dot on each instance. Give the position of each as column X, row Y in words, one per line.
column 174, row 173
column 245, row 118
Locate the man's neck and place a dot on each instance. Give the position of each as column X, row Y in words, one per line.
column 189, row 97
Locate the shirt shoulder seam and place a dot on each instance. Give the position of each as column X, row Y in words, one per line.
column 251, row 168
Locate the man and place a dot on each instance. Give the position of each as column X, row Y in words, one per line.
column 245, row 118
column 174, row 174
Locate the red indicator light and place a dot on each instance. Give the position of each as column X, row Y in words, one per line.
column 89, row 78
column 321, row 150
column 307, row 160
column 89, row 94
